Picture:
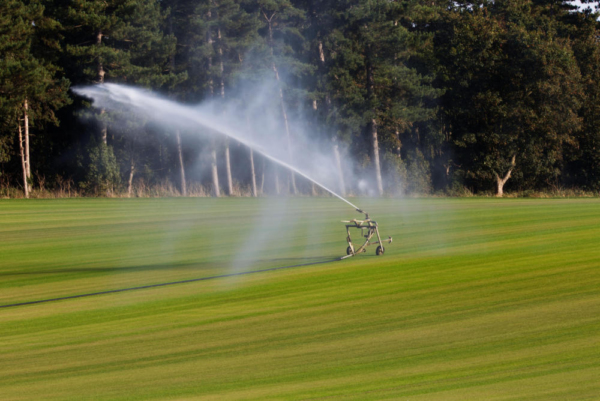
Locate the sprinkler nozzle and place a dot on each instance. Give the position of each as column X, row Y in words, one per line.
column 363, row 212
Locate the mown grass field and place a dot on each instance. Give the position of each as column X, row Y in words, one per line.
column 476, row 299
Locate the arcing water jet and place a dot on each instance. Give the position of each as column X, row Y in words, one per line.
column 120, row 98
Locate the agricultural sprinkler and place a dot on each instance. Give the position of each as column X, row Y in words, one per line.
column 367, row 228
column 116, row 96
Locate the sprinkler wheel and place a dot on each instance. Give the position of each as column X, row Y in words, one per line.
column 379, row 251
column 349, row 250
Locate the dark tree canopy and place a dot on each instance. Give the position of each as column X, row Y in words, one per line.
column 481, row 96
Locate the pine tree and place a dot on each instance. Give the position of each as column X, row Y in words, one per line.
column 374, row 90
column 117, row 41
column 30, row 89
column 280, row 41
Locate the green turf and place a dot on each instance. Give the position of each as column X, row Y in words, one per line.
column 476, row 299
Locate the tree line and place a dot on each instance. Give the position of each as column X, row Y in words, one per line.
column 428, row 96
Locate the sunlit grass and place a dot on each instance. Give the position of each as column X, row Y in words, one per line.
column 474, row 299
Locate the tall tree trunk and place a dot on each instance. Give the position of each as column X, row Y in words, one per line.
column 228, row 169
column 336, row 152
column 253, row 173
column 375, row 142
column 222, row 86
column 500, row 181
column 283, row 109
column 183, row 184
column 214, row 172
column 252, row 170
column 373, row 123
column 213, row 147
column 27, row 157
column 23, row 162
column 221, row 67
column 276, row 176
column 100, row 79
column 130, row 181
column 181, row 166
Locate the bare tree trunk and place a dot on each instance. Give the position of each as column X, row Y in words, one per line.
column 321, row 52
column 222, row 85
column 376, row 156
column 322, row 58
column 221, row 68
column 283, row 109
column 181, row 166
column 23, row 162
column 216, row 192
column 213, row 148
column 253, row 173
column 276, row 174
column 214, row 172
column 501, row 181
column 130, row 182
column 252, row 170
column 210, row 41
column 100, row 79
column 27, row 157
column 336, row 151
column 183, row 184
column 373, row 124
column 228, row 169
column 289, row 141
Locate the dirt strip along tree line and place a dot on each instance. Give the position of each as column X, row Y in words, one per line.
column 449, row 97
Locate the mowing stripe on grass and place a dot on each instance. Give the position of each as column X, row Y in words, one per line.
column 40, row 301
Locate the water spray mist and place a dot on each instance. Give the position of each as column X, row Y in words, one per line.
column 123, row 98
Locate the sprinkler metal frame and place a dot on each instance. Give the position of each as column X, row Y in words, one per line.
column 371, row 228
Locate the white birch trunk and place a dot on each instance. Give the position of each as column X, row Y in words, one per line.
column 130, row 181
column 228, row 169
column 181, row 166
column 214, row 172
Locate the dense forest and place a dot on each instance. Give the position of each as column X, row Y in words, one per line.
column 430, row 97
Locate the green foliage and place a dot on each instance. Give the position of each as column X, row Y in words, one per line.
column 418, row 178
column 103, row 176
column 5, row 149
column 394, row 171
column 513, row 90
